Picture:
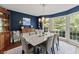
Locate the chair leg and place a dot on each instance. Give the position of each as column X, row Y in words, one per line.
column 53, row 51
column 46, row 52
column 34, row 50
column 57, row 46
column 22, row 51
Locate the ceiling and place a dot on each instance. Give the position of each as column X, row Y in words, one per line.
column 39, row 9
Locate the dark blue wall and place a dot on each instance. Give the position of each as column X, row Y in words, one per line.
column 15, row 17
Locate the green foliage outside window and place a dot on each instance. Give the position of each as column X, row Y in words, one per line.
column 75, row 23
column 59, row 25
column 74, row 27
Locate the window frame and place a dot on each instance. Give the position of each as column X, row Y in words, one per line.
column 71, row 15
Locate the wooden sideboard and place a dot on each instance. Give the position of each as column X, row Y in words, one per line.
column 27, row 30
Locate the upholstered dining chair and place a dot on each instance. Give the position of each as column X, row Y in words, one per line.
column 48, row 46
column 15, row 36
column 24, row 45
column 51, row 44
column 56, row 41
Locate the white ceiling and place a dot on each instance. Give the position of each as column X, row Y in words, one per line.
column 38, row 9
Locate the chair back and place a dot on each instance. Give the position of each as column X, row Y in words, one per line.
column 24, row 45
column 16, row 36
column 56, row 42
column 52, row 40
column 49, row 44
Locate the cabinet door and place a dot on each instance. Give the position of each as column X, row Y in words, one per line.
column 7, row 39
column 1, row 41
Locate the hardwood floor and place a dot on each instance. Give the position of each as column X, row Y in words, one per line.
column 11, row 46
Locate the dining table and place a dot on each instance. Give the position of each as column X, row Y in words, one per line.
column 37, row 39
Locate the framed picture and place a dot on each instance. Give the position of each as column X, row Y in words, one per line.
column 26, row 22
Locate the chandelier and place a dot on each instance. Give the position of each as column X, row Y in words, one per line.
column 43, row 11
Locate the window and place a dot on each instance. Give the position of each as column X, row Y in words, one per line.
column 74, row 27
column 46, row 24
column 59, row 25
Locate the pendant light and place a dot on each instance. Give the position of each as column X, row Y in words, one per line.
column 43, row 18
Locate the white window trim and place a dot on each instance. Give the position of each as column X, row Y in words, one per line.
column 67, row 28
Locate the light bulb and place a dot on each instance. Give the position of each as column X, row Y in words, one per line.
column 43, row 19
column 22, row 27
column 39, row 19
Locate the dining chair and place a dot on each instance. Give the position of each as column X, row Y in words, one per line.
column 48, row 46
column 24, row 46
column 55, row 44
column 57, row 41
column 15, row 36
column 52, row 44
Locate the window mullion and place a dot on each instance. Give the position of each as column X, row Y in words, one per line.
column 67, row 28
